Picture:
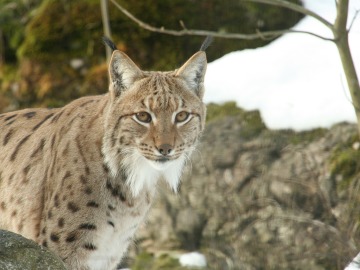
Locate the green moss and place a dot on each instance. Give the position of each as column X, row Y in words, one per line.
column 306, row 136
column 74, row 28
column 8, row 75
column 166, row 262
column 8, row 72
column 143, row 261
column 217, row 111
column 50, row 33
column 8, row 78
column 346, row 164
column 252, row 124
column 61, row 30
column 250, row 121
column 345, row 161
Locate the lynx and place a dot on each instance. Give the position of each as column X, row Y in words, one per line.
column 81, row 179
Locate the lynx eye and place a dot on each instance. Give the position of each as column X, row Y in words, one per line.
column 181, row 117
column 143, row 117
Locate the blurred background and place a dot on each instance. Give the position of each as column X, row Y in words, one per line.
column 51, row 51
column 252, row 197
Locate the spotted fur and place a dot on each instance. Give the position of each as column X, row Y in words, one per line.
column 81, row 179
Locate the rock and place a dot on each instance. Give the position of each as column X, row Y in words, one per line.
column 19, row 253
column 262, row 199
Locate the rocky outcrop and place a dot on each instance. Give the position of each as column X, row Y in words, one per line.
column 250, row 198
column 19, row 253
column 258, row 199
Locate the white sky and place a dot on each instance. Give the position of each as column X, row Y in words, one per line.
column 296, row 81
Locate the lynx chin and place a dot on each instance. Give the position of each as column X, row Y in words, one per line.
column 81, row 179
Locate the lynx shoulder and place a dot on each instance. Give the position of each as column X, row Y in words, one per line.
column 81, row 179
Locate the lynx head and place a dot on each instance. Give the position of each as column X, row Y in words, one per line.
column 154, row 120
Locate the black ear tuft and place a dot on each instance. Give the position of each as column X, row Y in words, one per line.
column 107, row 41
column 206, row 43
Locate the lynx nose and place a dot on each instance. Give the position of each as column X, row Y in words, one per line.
column 165, row 149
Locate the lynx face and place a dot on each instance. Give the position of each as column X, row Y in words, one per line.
column 154, row 120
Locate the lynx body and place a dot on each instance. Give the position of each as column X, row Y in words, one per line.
column 81, row 179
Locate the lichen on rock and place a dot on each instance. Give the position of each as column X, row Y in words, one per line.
column 19, row 253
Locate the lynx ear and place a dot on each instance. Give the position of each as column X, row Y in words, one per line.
column 193, row 72
column 123, row 72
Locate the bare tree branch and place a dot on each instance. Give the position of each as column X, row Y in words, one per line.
column 353, row 19
column 294, row 7
column 106, row 25
column 274, row 34
column 195, row 32
column 2, row 48
column 342, row 16
column 338, row 29
column 341, row 36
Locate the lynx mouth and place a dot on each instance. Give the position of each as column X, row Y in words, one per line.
column 160, row 164
column 162, row 160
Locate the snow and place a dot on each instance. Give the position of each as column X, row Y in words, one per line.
column 296, row 81
column 355, row 264
column 193, row 259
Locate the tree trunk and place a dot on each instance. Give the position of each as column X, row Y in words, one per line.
column 342, row 43
column 2, row 49
column 106, row 25
column 350, row 74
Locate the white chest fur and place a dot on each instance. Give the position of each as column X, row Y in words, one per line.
column 112, row 242
column 142, row 175
column 151, row 171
